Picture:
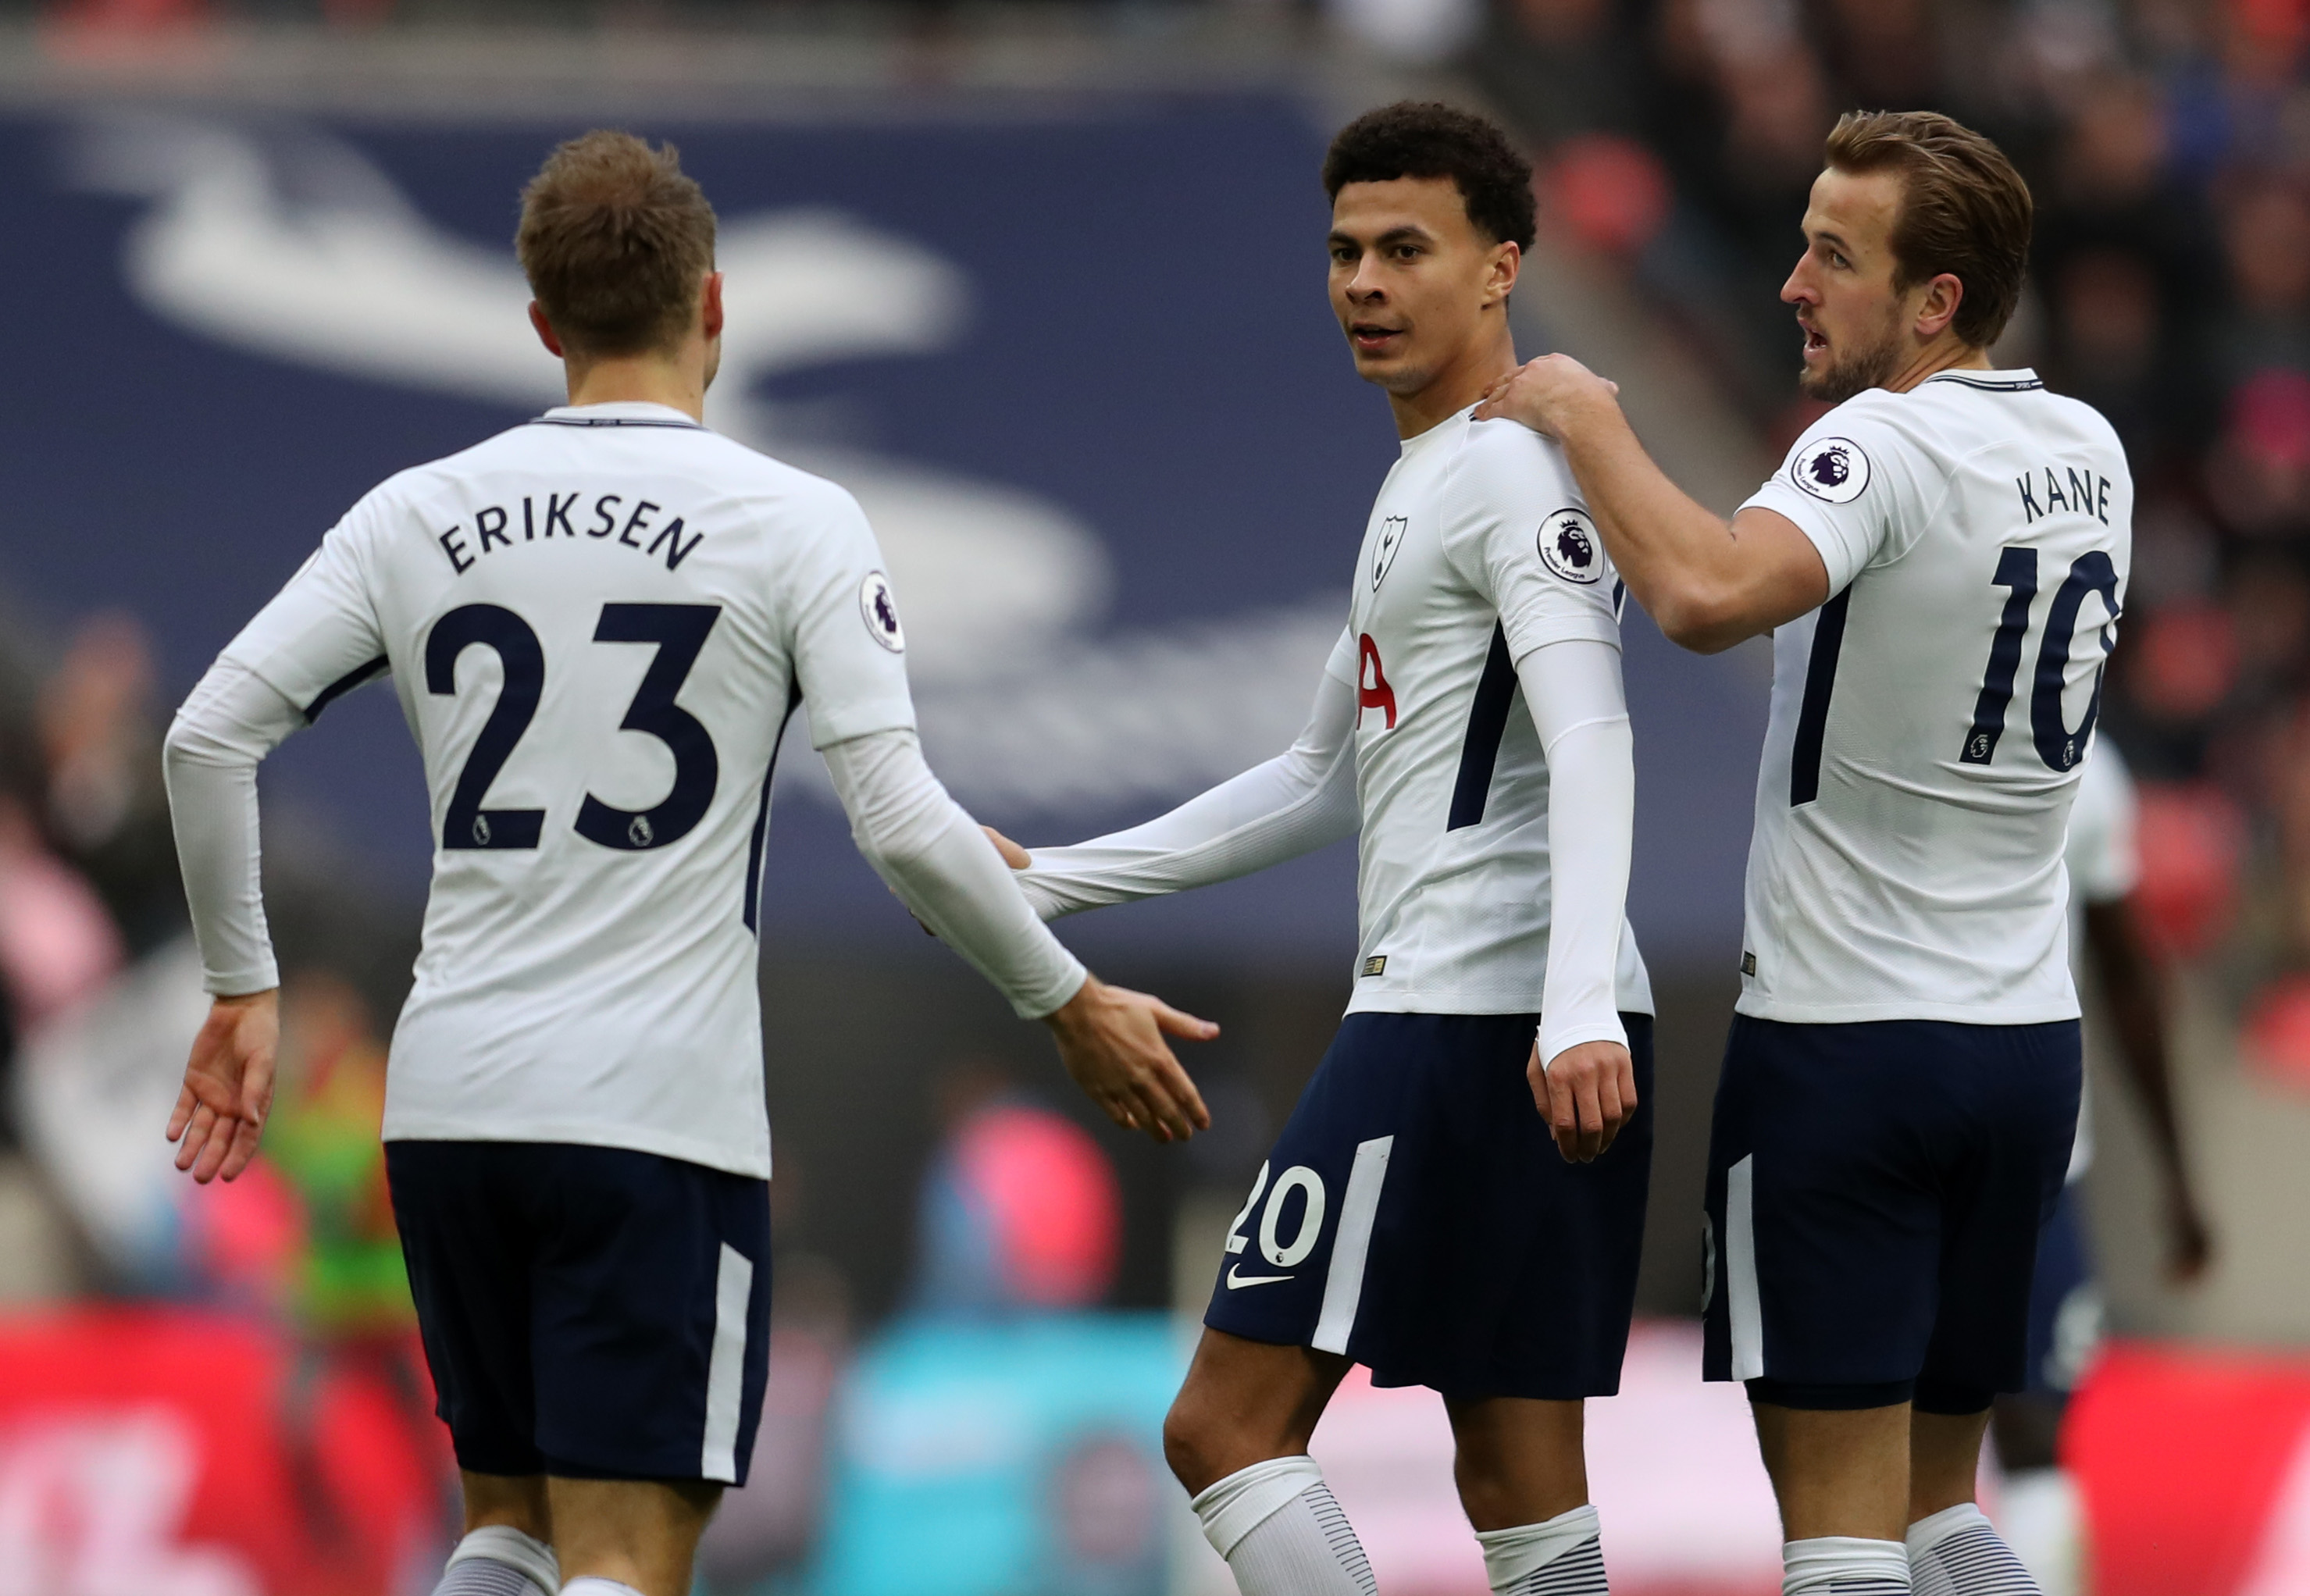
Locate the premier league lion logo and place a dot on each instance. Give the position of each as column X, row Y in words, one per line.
column 882, row 612
column 1567, row 546
column 1831, row 468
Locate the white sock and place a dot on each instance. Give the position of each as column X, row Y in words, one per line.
column 2039, row 1516
column 1841, row 1565
column 499, row 1560
column 593, row 1584
column 1281, row 1533
column 1957, row 1552
column 1558, row 1557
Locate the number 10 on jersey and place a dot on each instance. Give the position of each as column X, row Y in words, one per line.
column 2058, row 744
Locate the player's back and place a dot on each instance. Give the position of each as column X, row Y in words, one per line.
column 597, row 624
column 1929, row 720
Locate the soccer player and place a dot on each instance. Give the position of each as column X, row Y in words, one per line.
column 1414, row 1216
column 2038, row 1510
column 598, row 624
column 1941, row 562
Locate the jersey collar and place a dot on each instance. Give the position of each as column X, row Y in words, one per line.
column 2021, row 379
column 621, row 413
column 1456, row 420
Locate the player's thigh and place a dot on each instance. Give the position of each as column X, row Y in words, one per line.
column 468, row 1238
column 1517, row 1460
column 1823, row 1214
column 2003, row 1217
column 652, row 1291
column 1244, row 1402
column 641, row 1532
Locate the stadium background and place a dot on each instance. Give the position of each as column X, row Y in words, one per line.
column 1041, row 282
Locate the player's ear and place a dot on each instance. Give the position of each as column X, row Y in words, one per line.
column 1943, row 295
column 710, row 306
column 1507, row 260
column 545, row 333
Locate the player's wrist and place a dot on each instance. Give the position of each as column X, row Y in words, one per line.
column 1075, row 1014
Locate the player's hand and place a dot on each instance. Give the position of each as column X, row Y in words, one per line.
column 1546, row 394
column 1586, row 1094
column 1111, row 1041
column 228, row 1087
column 2191, row 1241
column 1014, row 856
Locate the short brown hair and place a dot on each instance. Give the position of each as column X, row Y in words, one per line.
column 614, row 239
column 1963, row 209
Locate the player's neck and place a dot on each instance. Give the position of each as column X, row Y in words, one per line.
column 655, row 378
column 1944, row 353
column 1459, row 384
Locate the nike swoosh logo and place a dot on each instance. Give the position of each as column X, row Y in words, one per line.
column 1235, row 1277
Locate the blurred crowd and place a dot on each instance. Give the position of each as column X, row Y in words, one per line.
column 2167, row 144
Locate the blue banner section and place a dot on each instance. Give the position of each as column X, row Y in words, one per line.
column 1076, row 362
column 988, row 1459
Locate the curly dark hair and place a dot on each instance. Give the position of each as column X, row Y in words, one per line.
column 1425, row 139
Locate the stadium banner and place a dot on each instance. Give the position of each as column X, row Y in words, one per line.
column 1076, row 362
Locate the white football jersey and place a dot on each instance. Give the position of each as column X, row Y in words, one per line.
column 597, row 623
column 1930, row 720
column 1477, row 552
column 2104, row 866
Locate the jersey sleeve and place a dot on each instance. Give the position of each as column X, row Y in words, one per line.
column 849, row 644
column 1854, row 485
column 1517, row 532
column 320, row 634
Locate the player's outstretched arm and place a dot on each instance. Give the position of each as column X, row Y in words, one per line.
column 1290, row 806
column 230, row 722
column 933, row 857
column 1707, row 582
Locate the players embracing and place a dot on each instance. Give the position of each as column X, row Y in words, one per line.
column 1941, row 562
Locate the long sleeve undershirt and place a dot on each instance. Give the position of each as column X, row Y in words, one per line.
column 918, row 839
column 1306, row 797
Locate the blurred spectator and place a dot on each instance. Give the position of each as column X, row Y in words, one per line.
column 1021, row 1211
column 106, row 809
column 328, row 1113
column 2167, row 144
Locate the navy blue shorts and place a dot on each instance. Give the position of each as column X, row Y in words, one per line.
column 1875, row 1195
column 2065, row 1311
column 1416, row 1215
column 592, row 1312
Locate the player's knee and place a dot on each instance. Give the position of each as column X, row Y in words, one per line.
column 1190, row 1444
